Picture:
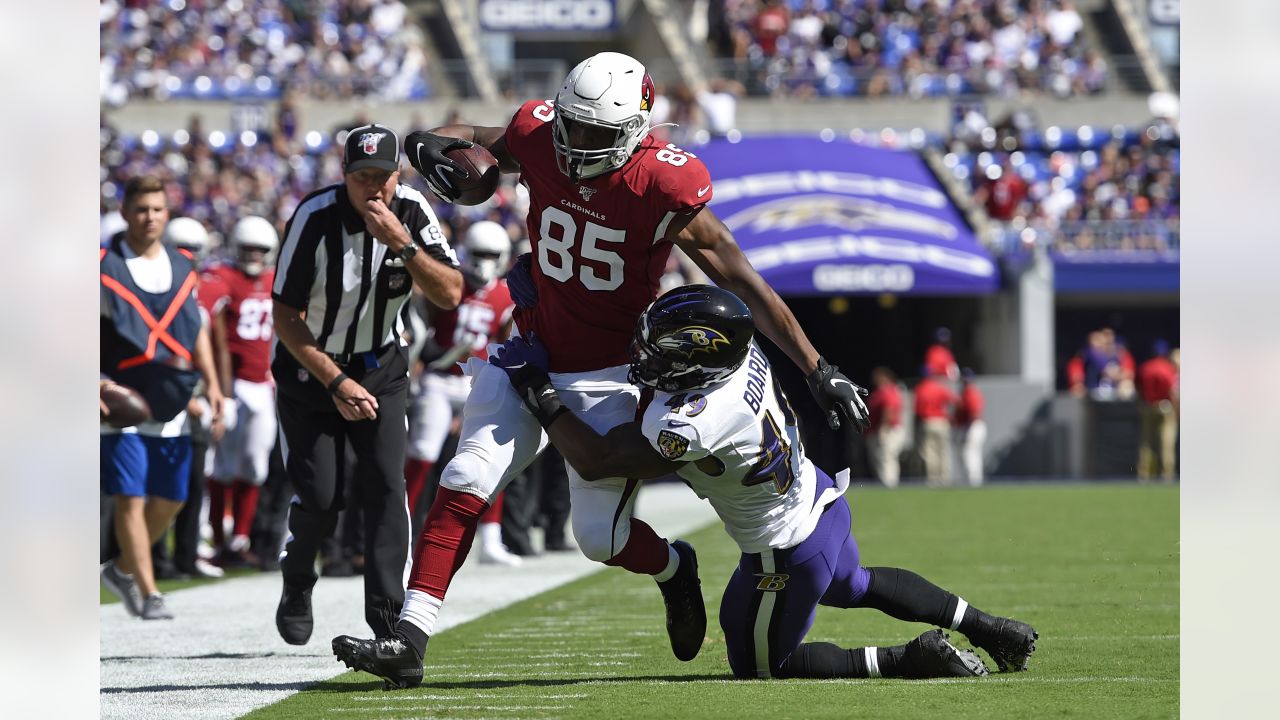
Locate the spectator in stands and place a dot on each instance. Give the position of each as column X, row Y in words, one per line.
column 971, row 430
column 934, row 401
column 1157, row 398
column 938, row 357
column 1002, row 192
column 887, row 435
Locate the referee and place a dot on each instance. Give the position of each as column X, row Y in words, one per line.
column 351, row 254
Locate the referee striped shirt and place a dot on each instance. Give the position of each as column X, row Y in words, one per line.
column 351, row 286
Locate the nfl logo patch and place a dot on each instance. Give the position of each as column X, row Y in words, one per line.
column 672, row 445
column 369, row 142
column 303, row 375
column 395, row 282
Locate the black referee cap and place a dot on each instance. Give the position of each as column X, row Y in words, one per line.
column 372, row 146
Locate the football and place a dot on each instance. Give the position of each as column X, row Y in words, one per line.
column 482, row 174
column 125, row 407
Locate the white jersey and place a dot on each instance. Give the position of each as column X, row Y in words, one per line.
column 743, row 453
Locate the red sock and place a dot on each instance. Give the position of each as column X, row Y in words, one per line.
column 494, row 513
column 644, row 554
column 445, row 540
column 416, row 473
column 246, row 506
column 217, row 511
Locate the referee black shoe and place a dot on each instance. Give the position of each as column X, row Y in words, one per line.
column 1009, row 642
column 390, row 658
column 686, row 613
column 932, row 656
column 293, row 615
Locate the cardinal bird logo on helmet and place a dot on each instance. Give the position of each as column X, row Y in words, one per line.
column 692, row 339
column 646, row 93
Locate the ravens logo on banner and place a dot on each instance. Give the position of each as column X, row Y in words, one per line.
column 672, row 445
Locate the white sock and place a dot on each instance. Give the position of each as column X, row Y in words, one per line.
column 421, row 610
column 872, row 659
column 673, row 563
column 958, row 617
column 491, row 537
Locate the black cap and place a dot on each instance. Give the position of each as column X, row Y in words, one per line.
column 372, row 146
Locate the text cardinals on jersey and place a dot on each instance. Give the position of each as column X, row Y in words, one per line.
column 597, row 262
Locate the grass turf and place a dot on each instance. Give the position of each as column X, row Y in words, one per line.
column 1094, row 568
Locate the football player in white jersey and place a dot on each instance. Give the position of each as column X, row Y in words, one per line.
column 714, row 414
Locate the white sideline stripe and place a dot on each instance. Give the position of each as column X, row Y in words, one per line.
column 222, row 657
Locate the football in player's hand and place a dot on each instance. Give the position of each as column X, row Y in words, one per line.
column 125, row 407
column 482, row 174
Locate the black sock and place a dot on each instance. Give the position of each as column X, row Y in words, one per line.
column 907, row 596
column 825, row 660
column 413, row 636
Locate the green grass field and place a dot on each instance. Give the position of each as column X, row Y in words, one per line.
column 1093, row 568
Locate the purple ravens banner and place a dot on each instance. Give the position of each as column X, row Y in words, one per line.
column 837, row 218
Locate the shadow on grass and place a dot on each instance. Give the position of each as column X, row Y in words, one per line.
column 498, row 683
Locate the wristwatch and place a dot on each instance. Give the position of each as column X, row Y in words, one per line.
column 408, row 251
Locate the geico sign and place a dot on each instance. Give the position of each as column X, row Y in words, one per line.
column 546, row 14
column 871, row 278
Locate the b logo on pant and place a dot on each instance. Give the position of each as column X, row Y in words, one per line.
column 772, row 583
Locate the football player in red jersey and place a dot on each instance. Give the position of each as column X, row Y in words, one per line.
column 483, row 317
column 607, row 203
column 242, row 322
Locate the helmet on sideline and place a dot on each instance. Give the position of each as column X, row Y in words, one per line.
column 184, row 233
column 611, row 94
column 253, row 233
column 488, row 248
column 690, row 338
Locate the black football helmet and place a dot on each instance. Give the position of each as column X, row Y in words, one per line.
column 691, row 337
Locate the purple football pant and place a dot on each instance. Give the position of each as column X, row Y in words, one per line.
column 772, row 598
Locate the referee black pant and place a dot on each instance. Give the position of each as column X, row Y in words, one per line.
column 317, row 444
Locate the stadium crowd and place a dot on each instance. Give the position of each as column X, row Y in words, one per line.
column 918, row 48
column 194, row 48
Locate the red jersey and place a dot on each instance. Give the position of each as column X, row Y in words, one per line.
column 941, row 362
column 933, row 399
column 245, row 305
column 1156, row 380
column 970, row 406
column 1004, row 195
column 599, row 246
column 210, row 291
column 885, row 406
column 478, row 320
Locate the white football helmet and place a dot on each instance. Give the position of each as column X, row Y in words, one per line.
column 488, row 247
column 612, row 94
column 253, row 233
column 184, row 233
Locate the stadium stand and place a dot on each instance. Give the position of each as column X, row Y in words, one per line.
column 917, row 48
column 250, row 49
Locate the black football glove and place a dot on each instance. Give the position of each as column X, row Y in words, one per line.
column 426, row 153
column 520, row 283
column 839, row 398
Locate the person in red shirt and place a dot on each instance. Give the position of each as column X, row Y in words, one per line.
column 607, row 204
column 483, row 317
column 1157, row 407
column 933, row 416
column 971, row 430
column 887, row 434
column 241, row 322
column 938, row 357
column 769, row 24
column 1002, row 195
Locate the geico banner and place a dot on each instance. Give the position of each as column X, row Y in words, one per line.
column 840, row 218
column 547, row 15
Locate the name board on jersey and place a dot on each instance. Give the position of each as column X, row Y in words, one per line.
column 548, row 15
column 838, row 217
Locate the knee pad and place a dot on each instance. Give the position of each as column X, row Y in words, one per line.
column 597, row 539
column 470, row 473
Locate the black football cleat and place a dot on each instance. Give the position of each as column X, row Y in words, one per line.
column 293, row 615
column 932, row 656
column 686, row 613
column 390, row 658
column 1009, row 642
